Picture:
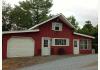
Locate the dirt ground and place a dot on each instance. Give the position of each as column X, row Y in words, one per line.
column 14, row 63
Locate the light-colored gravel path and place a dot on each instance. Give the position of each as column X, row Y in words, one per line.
column 86, row 62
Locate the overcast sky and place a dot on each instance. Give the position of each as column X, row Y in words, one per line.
column 82, row 9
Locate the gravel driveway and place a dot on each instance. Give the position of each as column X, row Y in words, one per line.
column 86, row 62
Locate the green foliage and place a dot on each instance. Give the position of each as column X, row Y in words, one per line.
column 88, row 28
column 6, row 9
column 73, row 21
column 30, row 12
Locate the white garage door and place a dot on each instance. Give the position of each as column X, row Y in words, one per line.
column 20, row 47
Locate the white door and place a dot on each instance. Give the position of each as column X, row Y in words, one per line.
column 20, row 47
column 45, row 46
column 76, row 46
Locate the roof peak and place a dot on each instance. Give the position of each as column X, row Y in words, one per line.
column 62, row 17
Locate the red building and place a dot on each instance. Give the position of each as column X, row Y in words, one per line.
column 52, row 37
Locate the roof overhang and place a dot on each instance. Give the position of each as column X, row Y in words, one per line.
column 61, row 16
column 23, row 31
column 84, row 35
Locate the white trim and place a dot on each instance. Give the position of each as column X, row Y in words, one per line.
column 84, row 35
column 59, row 15
column 24, row 31
column 53, row 41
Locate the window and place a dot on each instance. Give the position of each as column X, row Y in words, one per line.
column 75, row 43
column 60, row 42
column 56, row 26
column 85, row 44
column 45, row 43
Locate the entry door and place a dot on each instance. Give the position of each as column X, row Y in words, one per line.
column 45, row 46
column 76, row 46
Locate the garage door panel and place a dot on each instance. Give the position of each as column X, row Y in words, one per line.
column 20, row 47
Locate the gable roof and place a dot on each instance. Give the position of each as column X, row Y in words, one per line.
column 84, row 35
column 23, row 31
column 61, row 16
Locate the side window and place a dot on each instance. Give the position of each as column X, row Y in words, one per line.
column 56, row 26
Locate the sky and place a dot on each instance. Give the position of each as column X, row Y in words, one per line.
column 83, row 10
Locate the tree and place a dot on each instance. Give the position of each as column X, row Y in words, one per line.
column 30, row 12
column 73, row 21
column 6, row 9
column 88, row 28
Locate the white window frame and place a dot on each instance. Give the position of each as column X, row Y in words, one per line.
column 54, row 24
column 88, row 45
column 67, row 41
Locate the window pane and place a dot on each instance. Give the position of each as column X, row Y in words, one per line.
column 85, row 46
column 45, row 43
column 75, row 43
column 56, row 42
column 61, row 42
column 56, row 28
column 81, row 46
column 64, row 42
column 85, row 41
